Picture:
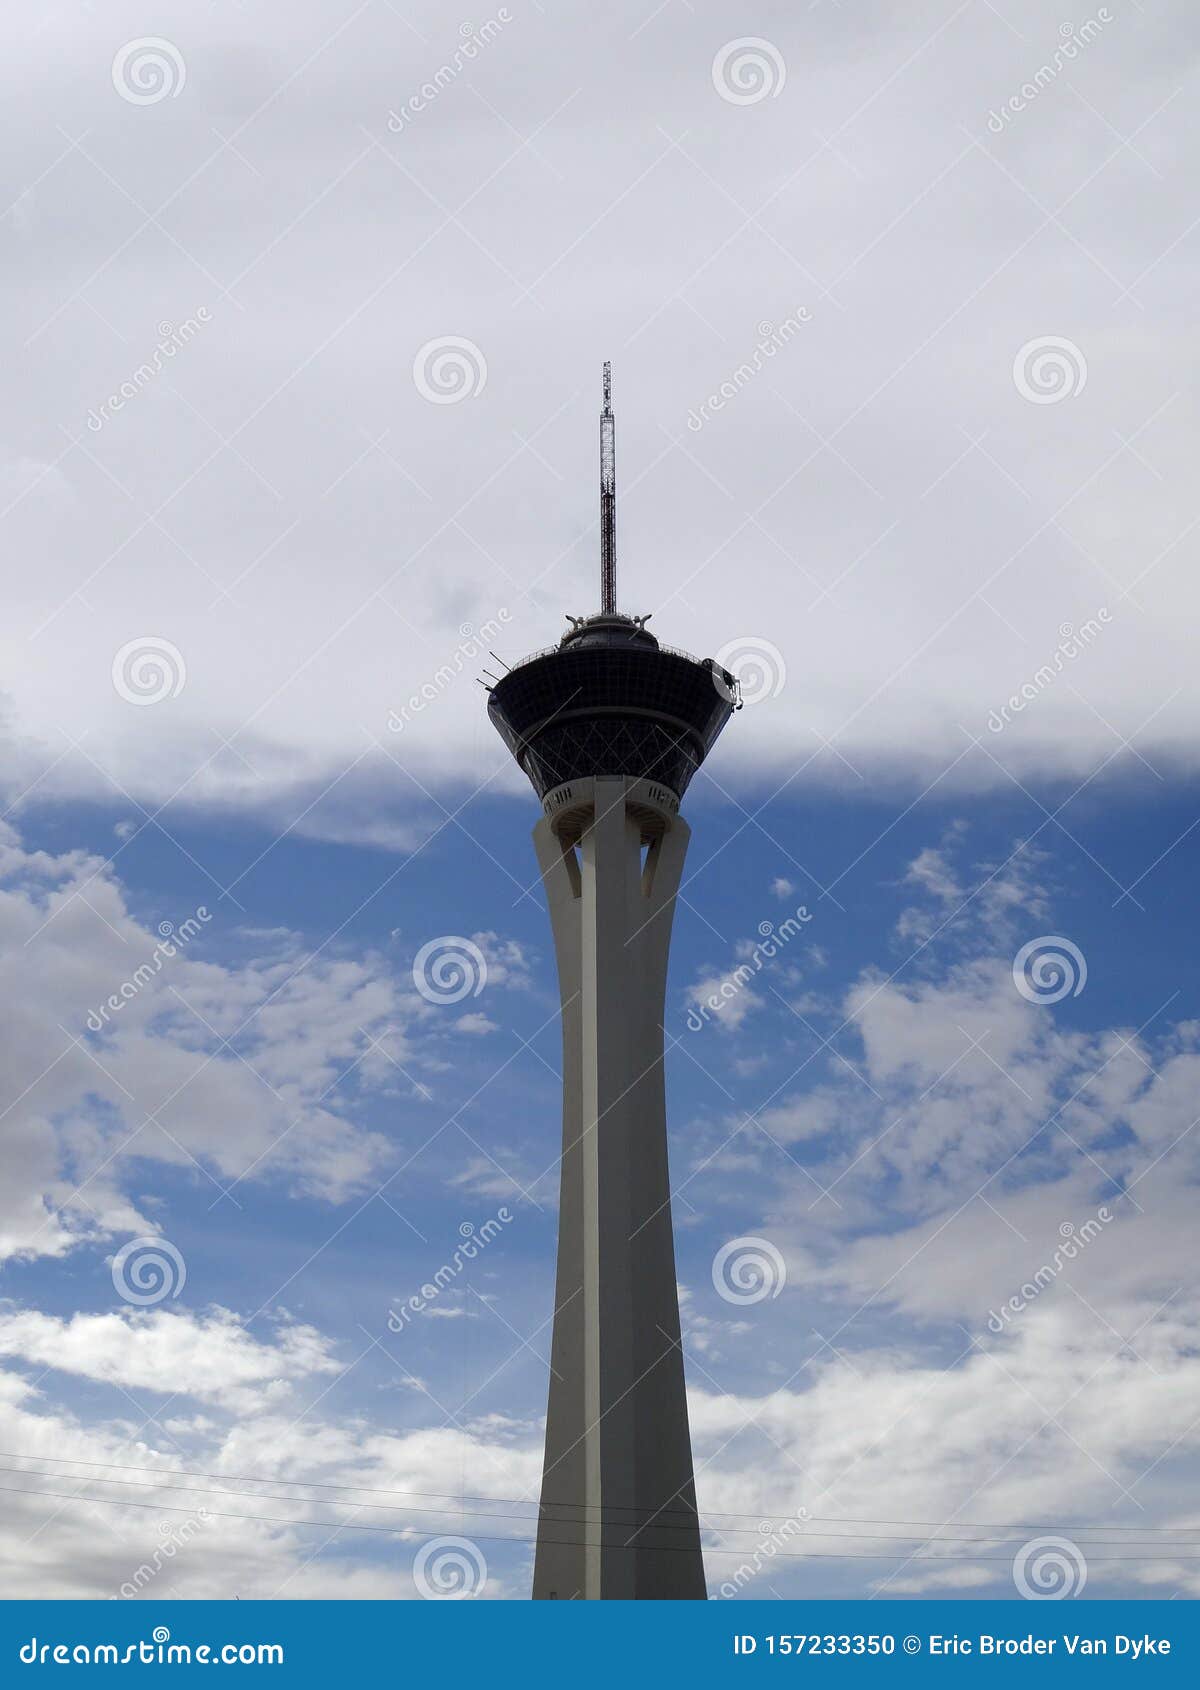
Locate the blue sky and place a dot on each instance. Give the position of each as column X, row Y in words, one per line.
column 449, row 1117
column 298, row 427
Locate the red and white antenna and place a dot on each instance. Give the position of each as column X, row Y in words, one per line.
column 608, row 501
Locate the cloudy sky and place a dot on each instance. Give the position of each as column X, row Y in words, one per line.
column 304, row 309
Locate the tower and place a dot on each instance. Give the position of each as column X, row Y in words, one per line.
column 610, row 727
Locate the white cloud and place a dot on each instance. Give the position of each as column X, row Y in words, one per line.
column 64, row 1532
column 1049, row 1426
column 321, row 567
column 723, row 998
column 995, row 1313
column 910, row 1409
column 930, row 870
column 508, row 963
column 210, row 1358
column 476, row 1024
column 501, row 1173
column 288, row 1044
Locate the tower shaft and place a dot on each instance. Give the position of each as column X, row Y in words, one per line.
column 610, row 728
column 618, row 1510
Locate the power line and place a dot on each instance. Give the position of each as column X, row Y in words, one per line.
column 995, row 1528
column 334, row 1502
column 653, row 1524
column 569, row 1543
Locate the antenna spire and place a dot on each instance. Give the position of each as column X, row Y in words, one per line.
column 608, row 501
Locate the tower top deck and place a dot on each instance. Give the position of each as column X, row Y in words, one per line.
column 609, row 699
